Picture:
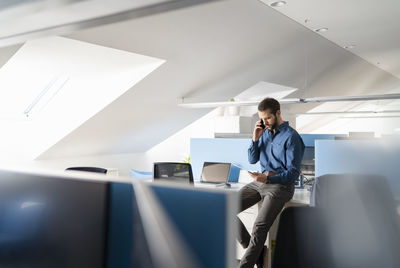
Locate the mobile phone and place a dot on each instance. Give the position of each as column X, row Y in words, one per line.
column 262, row 124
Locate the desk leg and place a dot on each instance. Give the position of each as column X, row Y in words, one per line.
column 273, row 231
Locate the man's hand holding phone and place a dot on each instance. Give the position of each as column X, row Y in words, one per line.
column 260, row 177
column 258, row 130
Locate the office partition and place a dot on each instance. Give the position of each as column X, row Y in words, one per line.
column 379, row 157
column 234, row 150
column 204, row 220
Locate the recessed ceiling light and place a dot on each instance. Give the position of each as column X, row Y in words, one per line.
column 349, row 46
column 321, row 30
column 277, row 4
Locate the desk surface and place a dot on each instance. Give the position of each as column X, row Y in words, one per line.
column 301, row 196
column 235, row 186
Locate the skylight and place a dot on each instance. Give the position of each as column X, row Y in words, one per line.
column 53, row 85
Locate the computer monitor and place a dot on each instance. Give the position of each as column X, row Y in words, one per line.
column 173, row 171
column 308, row 161
column 214, row 172
column 52, row 221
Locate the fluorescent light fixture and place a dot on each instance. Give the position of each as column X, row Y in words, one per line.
column 321, row 30
column 354, row 98
column 364, row 117
column 294, row 101
column 350, row 112
column 217, row 104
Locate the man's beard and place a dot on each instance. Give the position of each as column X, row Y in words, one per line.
column 275, row 125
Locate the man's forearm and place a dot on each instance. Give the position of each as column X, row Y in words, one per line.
column 285, row 177
column 253, row 153
column 269, row 173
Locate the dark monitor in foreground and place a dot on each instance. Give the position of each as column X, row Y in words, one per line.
column 50, row 221
column 58, row 221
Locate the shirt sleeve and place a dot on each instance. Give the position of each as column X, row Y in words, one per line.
column 254, row 151
column 294, row 155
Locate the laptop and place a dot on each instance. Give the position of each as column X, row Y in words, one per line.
column 214, row 172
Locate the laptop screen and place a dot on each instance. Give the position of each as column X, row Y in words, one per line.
column 215, row 172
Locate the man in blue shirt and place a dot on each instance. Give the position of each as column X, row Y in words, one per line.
column 280, row 149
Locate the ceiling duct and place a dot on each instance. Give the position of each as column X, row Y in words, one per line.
column 59, row 17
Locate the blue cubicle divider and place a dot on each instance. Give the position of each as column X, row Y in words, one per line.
column 361, row 157
column 309, row 139
column 120, row 231
column 200, row 216
column 234, row 151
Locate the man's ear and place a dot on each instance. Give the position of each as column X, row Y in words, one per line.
column 278, row 113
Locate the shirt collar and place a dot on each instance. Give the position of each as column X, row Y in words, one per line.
column 281, row 127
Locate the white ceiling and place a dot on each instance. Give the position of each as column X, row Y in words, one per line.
column 372, row 26
column 214, row 52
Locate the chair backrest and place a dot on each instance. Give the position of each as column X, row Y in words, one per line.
column 88, row 169
column 330, row 189
column 173, row 171
column 363, row 219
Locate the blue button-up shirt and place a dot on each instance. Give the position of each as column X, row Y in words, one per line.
column 281, row 153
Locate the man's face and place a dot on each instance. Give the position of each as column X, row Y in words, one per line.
column 269, row 119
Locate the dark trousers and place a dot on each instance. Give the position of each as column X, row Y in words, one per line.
column 274, row 197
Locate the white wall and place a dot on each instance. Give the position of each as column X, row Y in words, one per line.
column 175, row 148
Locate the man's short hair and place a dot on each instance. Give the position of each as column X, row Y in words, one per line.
column 269, row 103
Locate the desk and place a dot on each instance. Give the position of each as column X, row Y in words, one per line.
column 301, row 197
column 235, row 186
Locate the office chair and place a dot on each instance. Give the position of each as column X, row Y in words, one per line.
column 363, row 219
column 88, row 169
column 172, row 171
column 354, row 224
